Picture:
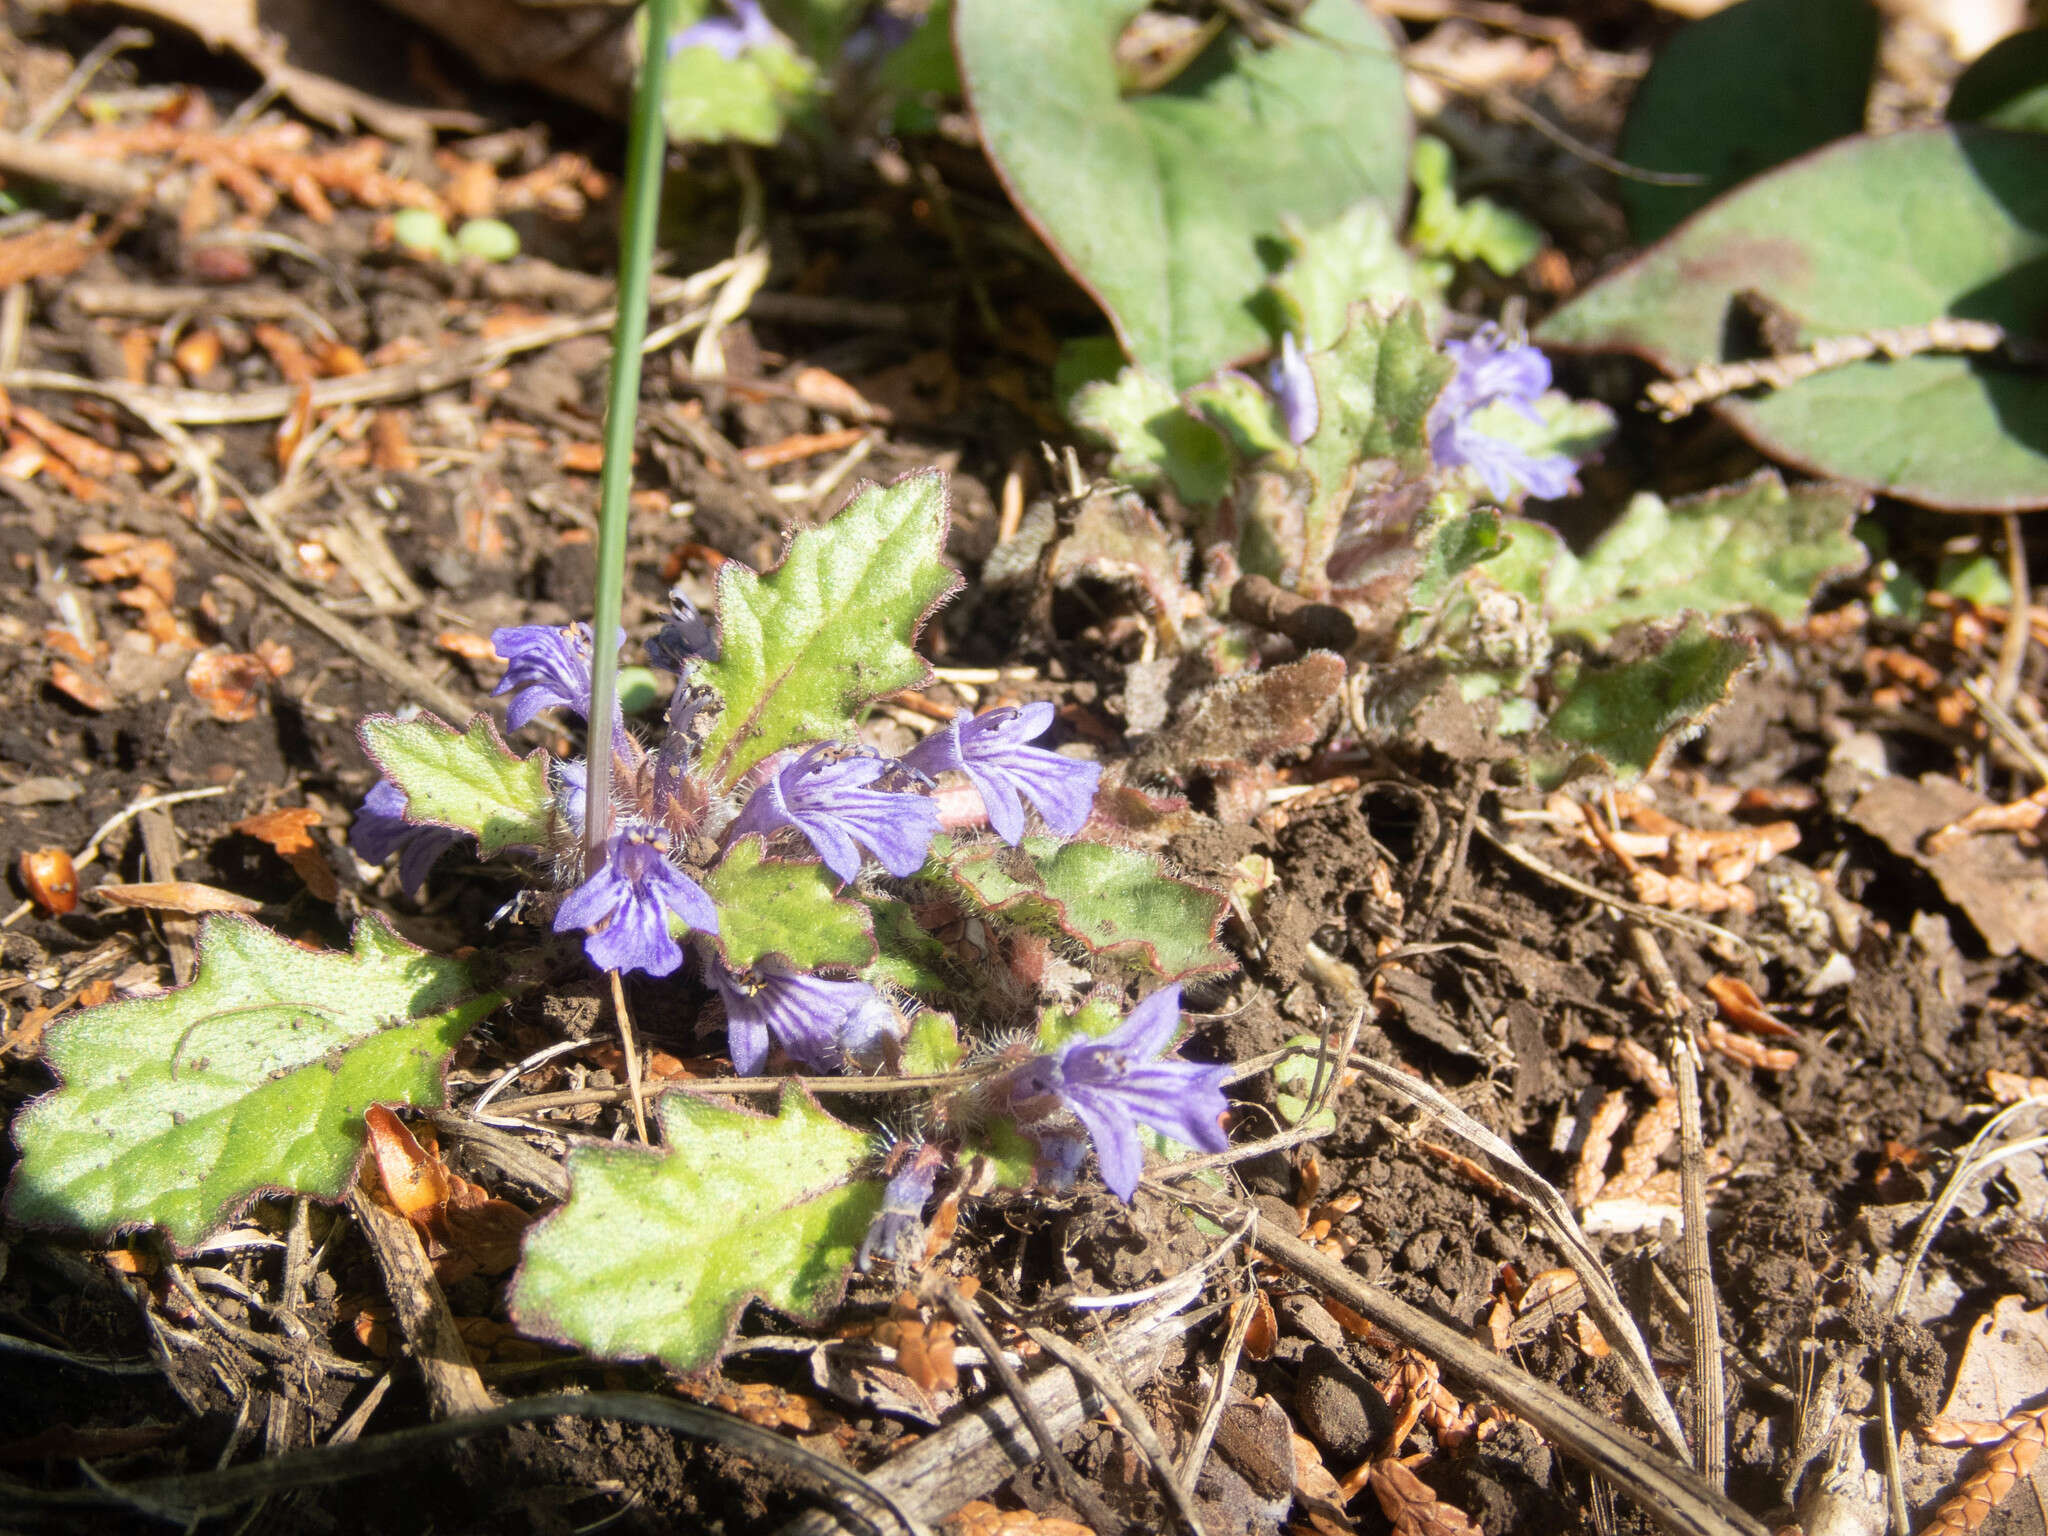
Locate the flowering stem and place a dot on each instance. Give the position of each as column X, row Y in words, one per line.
column 646, row 148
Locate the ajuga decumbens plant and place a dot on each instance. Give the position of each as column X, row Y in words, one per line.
column 943, row 916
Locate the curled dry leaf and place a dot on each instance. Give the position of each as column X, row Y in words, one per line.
column 125, row 557
column 50, row 880
column 230, row 683
column 82, row 686
column 1263, row 1333
column 1741, row 1007
column 1412, row 1505
column 287, row 829
column 411, row 1181
column 187, row 898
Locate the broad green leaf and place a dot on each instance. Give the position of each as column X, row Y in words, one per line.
column 830, row 628
column 468, row 780
column 1154, row 436
column 1740, row 91
column 1118, row 902
column 772, row 907
column 1375, row 388
column 1295, row 1078
column 1164, row 205
column 2007, row 87
column 1012, row 1157
column 1356, row 258
column 708, row 98
column 933, row 1047
column 1619, row 719
column 1477, row 229
column 656, row 1252
column 1755, row 545
column 1247, row 416
column 907, row 956
column 1892, row 231
column 175, row 1111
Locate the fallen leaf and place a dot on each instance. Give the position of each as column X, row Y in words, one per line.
column 1997, row 884
column 83, row 688
column 286, row 830
column 229, row 683
column 187, row 897
column 1741, row 1007
column 413, row 1182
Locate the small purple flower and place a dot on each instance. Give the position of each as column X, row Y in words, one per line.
column 810, row 1017
column 633, row 895
column 550, row 668
column 1294, row 389
column 1115, row 1083
column 826, row 798
column 990, row 749
column 381, row 829
column 900, row 1222
column 727, row 36
column 1493, row 372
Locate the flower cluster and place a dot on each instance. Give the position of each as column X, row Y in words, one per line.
column 1493, row 371
column 642, row 896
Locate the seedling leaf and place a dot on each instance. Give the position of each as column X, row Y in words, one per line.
column 831, row 627
column 787, row 908
column 656, row 1252
column 468, row 780
column 1619, row 719
column 174, row 1111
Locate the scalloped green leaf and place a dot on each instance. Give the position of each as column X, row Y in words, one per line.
column 1154, row 436
column 1355, row 258
column 829, row 629
column 469, row 780
column 1893, row 231
column 1621, row 718
column 1119, row 902
column 1164, row 205
column 657, row 1252
column 1752, row 546
column 789, row 908
column 175, row 1111
column 906, row 955
column 933, row 1046
column 1740, row 91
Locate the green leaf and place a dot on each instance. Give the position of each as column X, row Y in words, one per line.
column 656, row 1252
column 1899, row 230
column 1356, row 258
column 1478, row 229
column 907, row 956
column 830, row 628
column 1740, row 91
column 1619, row 719
column 175, row 1111
column 708, row 98
column 1755, row 545
column 1375, row 388
column 468, row 780
column 1451, row 541
column 1164, row 206
column 1012, row 1157
column 1154, row 436
column 933, row 1047
column 2007, row 87
column 1295, row 1078
column 773, row 907
column 1119, row 902
column 1247, row 416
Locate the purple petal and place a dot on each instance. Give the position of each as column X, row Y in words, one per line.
column 1115, row 1136
column 591, row 902
column 1063, row 788
column 807, row 1016
column 636, row 939
column 746, row 1041
column 999, row 799
column 1294, row 389
column 1149, row 1029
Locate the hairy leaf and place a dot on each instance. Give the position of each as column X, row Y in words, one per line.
column 656, row 1252
column 831, row 627
column 1355, row 258
column 787, row 908
column 468, row 780
column 1154, row 435
column 1162, row 204
column 1118, row 902
column 1756, row 545
column 1894, row 231
column 1478, row 229
column 174, row 1111
column 906, row 955
column 1740, row 91
column 1619, row 719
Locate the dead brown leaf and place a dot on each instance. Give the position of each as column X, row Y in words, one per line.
column 189, row 898
column 1999, row 886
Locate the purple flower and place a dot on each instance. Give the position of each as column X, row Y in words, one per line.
column 1294, row 388
column 826, row 798
column 549, row 667
column 727, row 36
column 900, row 1221
column 1493, row 372
column 381, row 829
column 990, row 749
column 810, row 1017
column 633, row 895
column 1118, row 1082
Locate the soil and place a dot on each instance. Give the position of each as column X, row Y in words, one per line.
column 1517, row 995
